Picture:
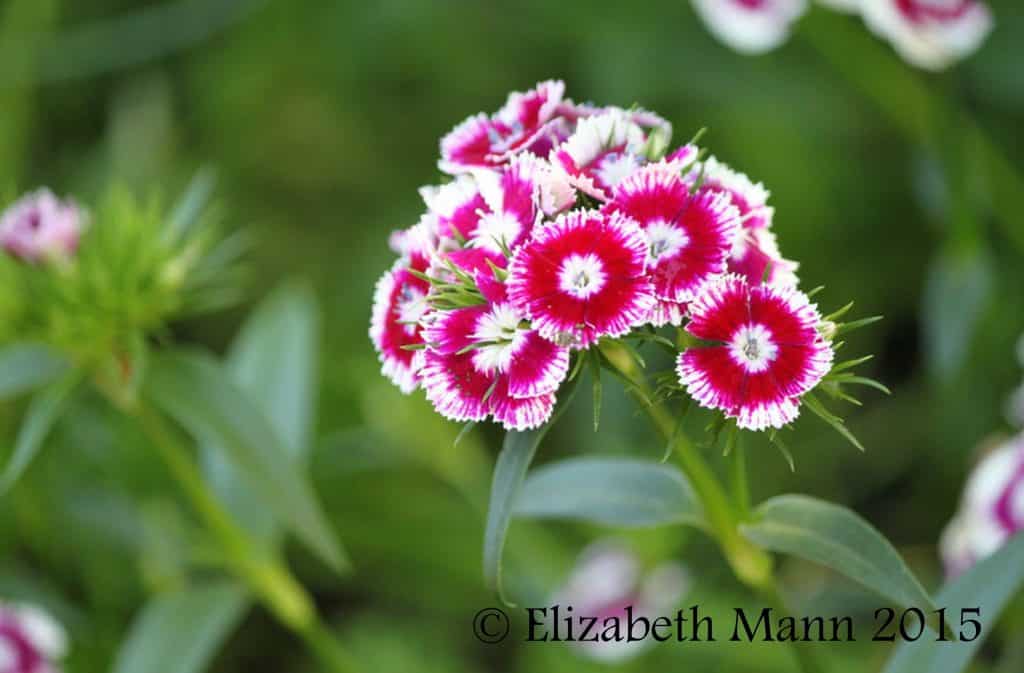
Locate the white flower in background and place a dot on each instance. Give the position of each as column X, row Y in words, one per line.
column 606, row 580
column 930, row 34
column 991, row 511
column 30, row 640
column 750, row 26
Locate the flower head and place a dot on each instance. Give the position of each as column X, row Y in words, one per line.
column 930, row 34
column 485, row 361
column 688, row 234
column 991, row 511
column 750, row 26
column 755, row 254
column 30, row 640
column 41, row 226
column 609, row 583
column 602, row 151
column 582, row 277
column 400, row 304
column 526, row 122
column 766, row 352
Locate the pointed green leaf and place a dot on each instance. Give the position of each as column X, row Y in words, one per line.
column 610, row 491
column 274, row 360
column 180, row 632
column 27, row 366
column 200, row 394
column 517, row 453
column 192, row 203
column 989, row 585
column 955, row 295
column 43, row 412
column 838, row 538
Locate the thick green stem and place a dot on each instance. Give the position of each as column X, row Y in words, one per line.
column 266, row 576
column 752, row 565
column 740, row 485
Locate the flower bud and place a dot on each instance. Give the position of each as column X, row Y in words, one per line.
column 40, row 226
column 992, row 509
column 30, row 640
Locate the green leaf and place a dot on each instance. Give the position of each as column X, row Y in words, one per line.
column 43, row 412
column 200, row 394
column 27, row 366
column 837, row 538
column 517, row 453
column 955, row 294
column 274, row 361
column 191, row 205
column 610, row 491
column 180, row 632
column 990, row 585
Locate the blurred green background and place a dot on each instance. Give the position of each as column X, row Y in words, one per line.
column 321, row 120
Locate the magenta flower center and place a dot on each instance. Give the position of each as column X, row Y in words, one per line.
column 919, row 11
column 582, row 275
column 753, row 348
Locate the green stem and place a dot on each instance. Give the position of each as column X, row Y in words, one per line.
column 751, row 564
column 267, row 577
column 740, row 484
column 805, row 658
column 912, row 104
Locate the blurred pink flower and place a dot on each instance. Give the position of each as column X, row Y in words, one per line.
column 991, row 510
column 750, row 26
column 30, row 640
column 930, row 34
column 606, row 580
column 40, row 226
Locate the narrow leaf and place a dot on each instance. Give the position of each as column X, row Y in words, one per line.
column 815, row 405
column 43, row 412
column 180, row 632
column 611, row 491
column 195, row 199
column 838, row 538
column 517, row 453
column 197, row 392
column 274, row 361
column 27, row 366
column 956, row 292
column 989, row 585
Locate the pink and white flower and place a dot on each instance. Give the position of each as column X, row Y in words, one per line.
column 601, row 152
column 525, row 123
column 608, row 583
column 991, row 511
column 688, row 235
column 485, row 361
column 750, row 26
column 512, row 198
column 767, row 352
column 399, row 305
column 457, row 206
column 755, row 254
column 30, row 640
column 582, row 277
column 40, row 226
column 930, row 34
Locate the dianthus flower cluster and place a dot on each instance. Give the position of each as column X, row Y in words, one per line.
column 563, row 226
